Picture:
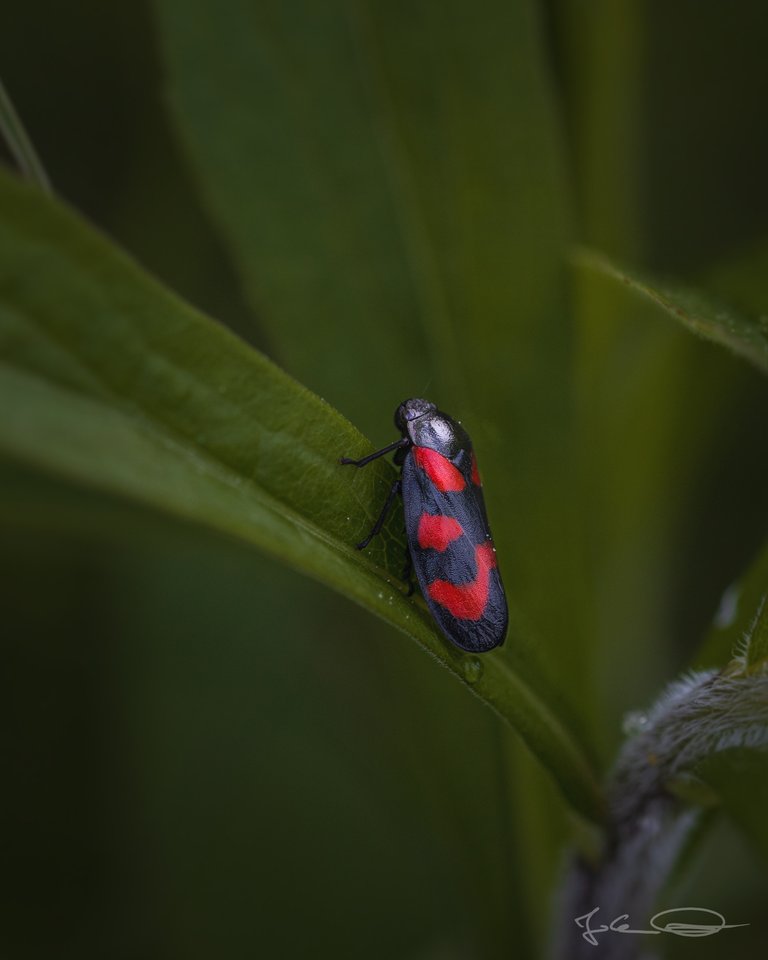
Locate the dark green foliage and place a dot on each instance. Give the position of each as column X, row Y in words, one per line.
column 212, row 755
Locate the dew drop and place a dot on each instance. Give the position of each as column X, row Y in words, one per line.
column 473, row 669
column 634, row 722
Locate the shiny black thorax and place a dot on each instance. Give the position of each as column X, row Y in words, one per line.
column 425, row 426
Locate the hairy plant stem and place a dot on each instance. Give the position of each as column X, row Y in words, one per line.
column 697, row 717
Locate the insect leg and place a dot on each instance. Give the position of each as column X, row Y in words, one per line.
column 402, row 442
column 393, row 492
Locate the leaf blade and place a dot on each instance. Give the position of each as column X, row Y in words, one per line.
column 702, row 315
column 256, row 460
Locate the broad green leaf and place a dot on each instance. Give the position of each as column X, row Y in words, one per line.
column 699, row 313
column 655, row 413
column 113, row 383
column 390, row 180
column 376, row 182
column 396, row 203
column 747, row 337
column 131, row 179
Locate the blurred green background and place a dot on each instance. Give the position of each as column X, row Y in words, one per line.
column 211, row 755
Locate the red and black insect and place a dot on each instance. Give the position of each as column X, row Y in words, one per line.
column 449, row 542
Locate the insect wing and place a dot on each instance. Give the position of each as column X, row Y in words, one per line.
column 452, row 550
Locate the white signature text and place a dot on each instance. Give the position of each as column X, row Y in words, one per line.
column 660, row 922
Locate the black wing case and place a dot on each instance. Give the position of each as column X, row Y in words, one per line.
column 453, row 556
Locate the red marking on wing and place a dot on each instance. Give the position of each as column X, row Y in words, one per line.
column 437, row 531
column 439, row 469
column 467, row 601
column 476, row 473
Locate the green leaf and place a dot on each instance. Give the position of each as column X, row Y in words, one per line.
column 655, row 416
column 373, row 179
column 396, row 203
column 391, row 183
column 699, row 313
column 687, row 438
column 114, row 383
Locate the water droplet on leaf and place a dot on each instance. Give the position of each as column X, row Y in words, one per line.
column 473, row 669
column 634, row 722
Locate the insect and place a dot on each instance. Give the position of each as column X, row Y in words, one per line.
column 449, row 542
